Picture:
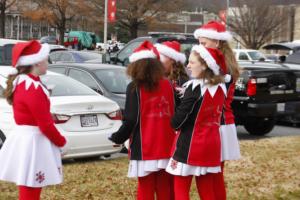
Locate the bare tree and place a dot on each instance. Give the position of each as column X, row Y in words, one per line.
column 57, row 12
column 134, row 14
column 255, row 22
column 4, row 5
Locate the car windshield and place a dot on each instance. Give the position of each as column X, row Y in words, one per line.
column 114, row 80
column 86, row 56
column 256, row 55
column 64, row 86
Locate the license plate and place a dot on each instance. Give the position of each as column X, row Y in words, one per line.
column 281, row 107
column 89, row 120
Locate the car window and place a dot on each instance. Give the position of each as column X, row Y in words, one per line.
column 256, row 55
column 6, row 54
column 84, row 78
column 114, row 80
column 66, row 57
column 54, row 57
column 60, row 70
column 186, row 49
column 243, row 56
column 64, row 86
column 85, row 56
column 126, row 52
column 294, row 58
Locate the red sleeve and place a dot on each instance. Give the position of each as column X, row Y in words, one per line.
column 39, row 106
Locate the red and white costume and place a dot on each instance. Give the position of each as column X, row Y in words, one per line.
column 147, row 124
column 31, row 155
column 229, row 140
column 197, row 148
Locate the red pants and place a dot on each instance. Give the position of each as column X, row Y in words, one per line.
column 219, row 179
column 29, row 193
column 207, row 185
column 159, row 183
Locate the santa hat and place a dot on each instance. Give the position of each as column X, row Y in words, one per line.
column 213, row 58
column 213, row 30
column 29, row 53
column 171, row 49
column 145, row 50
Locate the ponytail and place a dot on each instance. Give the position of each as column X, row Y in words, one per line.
column 231, row 63
column 9, row 91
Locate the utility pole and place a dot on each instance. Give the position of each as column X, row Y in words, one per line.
column 105, row 26
column 227, row 12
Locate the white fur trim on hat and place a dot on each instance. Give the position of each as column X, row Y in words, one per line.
column 13, row 71
column 207, row 57
column 171, row 53
column 34, row 58
column 141, row 55
column 212, row 34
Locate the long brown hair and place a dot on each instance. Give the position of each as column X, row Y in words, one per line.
column 8, row 92
column 146, row 72
column 177, row 72
column 231, row 63
column 208, row 74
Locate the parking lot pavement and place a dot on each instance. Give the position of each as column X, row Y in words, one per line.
column 278, row 131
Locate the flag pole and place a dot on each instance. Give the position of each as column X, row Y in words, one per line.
column 227, row 12
column 105, row 26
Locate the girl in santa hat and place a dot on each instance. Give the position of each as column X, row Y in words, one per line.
column 148, row 110
column 214, row 35
column 173, row 61
column 197, row 149
column 31, row 156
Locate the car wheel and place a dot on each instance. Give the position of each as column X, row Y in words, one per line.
column 2, row 139
column 259, row 126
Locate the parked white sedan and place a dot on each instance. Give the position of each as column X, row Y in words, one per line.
column 86, row 118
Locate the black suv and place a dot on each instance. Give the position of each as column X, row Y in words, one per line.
column 121, row 57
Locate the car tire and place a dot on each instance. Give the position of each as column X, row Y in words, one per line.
column 259, row 126
column 2, row 139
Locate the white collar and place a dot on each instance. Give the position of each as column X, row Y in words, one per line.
column 212, row 89
column 28, row 82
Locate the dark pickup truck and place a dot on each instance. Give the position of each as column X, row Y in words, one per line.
column 264, row 93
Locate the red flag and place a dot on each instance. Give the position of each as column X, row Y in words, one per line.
column 222, row 16
column 112, row 9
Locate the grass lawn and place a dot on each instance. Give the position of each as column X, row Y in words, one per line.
column 269, row 169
